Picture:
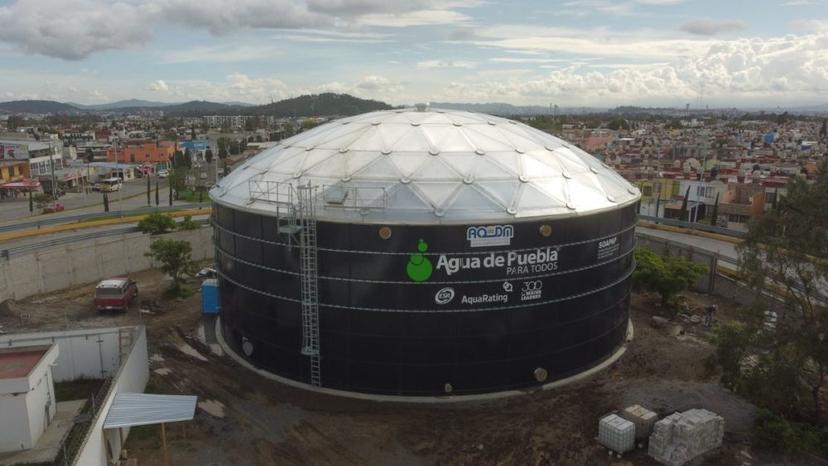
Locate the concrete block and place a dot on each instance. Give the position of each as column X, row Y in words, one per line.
column 643, row 418
column 616, row 433
column 681, row 437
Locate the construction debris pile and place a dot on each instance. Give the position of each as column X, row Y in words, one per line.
column 680, row 437
column 673, row 441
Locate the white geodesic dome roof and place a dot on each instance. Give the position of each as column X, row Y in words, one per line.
column 426, row 166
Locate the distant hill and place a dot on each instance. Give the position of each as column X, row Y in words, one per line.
column 326, row 104
column 131, row 103
column 820, row 109
column 37, row 106
column 238, row 104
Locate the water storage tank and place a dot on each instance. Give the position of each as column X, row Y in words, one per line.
column 423, row 252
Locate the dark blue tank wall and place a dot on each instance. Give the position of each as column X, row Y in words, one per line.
column 556, row 302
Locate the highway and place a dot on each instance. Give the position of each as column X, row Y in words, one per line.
column 725, row 249
column 131, row 196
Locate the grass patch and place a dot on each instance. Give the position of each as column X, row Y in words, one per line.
column 80, row 389
column 192, row 196
column 147, row 436
column 182, row 292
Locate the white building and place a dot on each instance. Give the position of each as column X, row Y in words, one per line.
column 27, row 395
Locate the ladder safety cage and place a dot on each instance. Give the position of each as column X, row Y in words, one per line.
column 308, row 254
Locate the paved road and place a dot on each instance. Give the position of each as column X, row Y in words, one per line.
column 78, row 233
column 722, row 248
column 131, row 196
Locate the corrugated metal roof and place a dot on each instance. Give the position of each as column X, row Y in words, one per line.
column 139, row 409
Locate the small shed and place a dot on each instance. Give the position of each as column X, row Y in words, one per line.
column 141, row 409
column 27, row 395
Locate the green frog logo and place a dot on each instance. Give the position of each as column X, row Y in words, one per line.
column 419, row 268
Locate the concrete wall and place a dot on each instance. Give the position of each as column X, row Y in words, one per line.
column 41, row 398
column 132, row 377
column 93, row 353
column 88, row 261
column 14, row 428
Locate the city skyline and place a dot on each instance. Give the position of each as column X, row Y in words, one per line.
column 591, row 53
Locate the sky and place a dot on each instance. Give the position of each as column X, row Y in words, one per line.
column 591, row 53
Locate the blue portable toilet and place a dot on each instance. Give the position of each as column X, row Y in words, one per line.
column 210, row 296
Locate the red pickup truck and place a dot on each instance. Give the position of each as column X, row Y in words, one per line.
column 115, row 294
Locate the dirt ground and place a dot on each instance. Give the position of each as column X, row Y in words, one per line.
column 250, row 420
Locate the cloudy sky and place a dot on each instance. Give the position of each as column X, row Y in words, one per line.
column 570, row 53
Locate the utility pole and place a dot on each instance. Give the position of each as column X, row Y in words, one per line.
column 52, row 166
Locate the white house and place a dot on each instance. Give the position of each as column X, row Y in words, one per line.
column 27, row 395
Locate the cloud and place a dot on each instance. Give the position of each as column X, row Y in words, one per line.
column 414, row 18
column 727, row 71
column 596, row 42
column 74, row 29
column 710, row 27
column 222, row 54
column 158, row 86
column 433, row 64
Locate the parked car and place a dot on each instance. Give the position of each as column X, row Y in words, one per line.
column 115, row 294
column 53, row 207
column 163, row 174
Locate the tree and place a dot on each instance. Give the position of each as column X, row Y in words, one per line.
column 823, row 132
column 222, row 147
column 174, row 257
column 89, row 155
column 714, row 216
column 683, row 213
column 156, row 223
column 188, row 224
column 667, row 276
column 177, row 180
column 785, row 254
column 618, row 123
column 233, row 147
column 41, row 200
column 180, row 160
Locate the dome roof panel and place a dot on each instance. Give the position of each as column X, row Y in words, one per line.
column 408, row 162
column 381, row 168
column 433, row 167
column 471, row 199
column 438, row 193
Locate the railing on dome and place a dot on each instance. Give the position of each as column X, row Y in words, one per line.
column 284, row 194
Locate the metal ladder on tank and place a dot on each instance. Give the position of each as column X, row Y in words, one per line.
column 306, row 196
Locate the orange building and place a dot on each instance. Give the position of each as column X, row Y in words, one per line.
column 14, row 170
column 143, row 152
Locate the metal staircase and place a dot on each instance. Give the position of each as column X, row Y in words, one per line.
column 306, row 197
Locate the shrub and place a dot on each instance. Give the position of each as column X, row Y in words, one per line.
column 774, row 432
column 668, row 276
column 156, row 224
column 188, row 224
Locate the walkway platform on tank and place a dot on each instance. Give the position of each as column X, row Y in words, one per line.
column 48, row 445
